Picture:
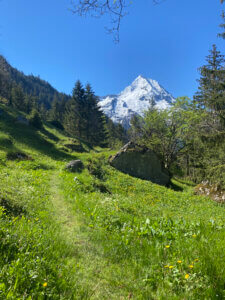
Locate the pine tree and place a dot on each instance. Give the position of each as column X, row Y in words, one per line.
column 222, row 34
column 54, row 113
column 74, row 120
column 35, row 119
column 17, row 98
column 95, row 122
column 211, row 93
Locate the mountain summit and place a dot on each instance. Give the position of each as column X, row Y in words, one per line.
column 135, row 99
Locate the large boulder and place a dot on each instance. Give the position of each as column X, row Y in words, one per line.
column 140, row 162
column 75, row 166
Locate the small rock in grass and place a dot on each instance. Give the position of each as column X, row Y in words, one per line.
column 75, row 166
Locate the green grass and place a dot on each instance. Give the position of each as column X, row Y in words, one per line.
column 100, row 234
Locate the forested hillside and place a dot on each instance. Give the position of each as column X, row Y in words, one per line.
column 31, row 85
column 78, row 114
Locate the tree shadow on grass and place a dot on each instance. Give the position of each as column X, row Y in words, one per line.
column 175, row 187
column 50, row 135
column 182, row 181
column 32, row 138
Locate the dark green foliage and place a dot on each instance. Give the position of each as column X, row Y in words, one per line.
column 96, row 167
column 74, row 116
column 211, row 93
column 11, row 208
column 222, row 34
column 101, row 187
column 17, row 155
column 18, row 98
column 95, row 121
column 117, row 135
column 35, row 120
column 83, row 118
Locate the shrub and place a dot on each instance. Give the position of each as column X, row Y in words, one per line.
column 14, row 155
column 95, row 167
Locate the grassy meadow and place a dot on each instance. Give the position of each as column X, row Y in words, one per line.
column 99, row 234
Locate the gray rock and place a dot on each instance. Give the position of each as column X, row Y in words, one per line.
column 140, row 162
column 75, row 166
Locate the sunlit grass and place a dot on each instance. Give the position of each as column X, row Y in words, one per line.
column 63, row 238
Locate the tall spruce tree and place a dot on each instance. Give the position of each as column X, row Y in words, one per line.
column 54, row 112
column 18, row 98
column 95, row 122
column 74, row 120
column 222, row 25
column 211, row 92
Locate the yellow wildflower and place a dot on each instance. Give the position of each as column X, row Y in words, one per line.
column 166, row 266
column 45, row 284
column 194, row 235
column 179, row 261
column 167, row 246
column 170, row 267
column 186, row 276
column 191, row 266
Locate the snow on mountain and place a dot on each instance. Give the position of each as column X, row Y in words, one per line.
column 135, row 99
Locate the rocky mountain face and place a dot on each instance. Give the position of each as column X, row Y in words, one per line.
column 135, row 99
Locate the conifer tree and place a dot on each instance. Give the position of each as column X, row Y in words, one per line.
column 211, row 93
column 74, row 115
column 95, row 123
column 54, row 113
column 222, row 34
column 17, row 98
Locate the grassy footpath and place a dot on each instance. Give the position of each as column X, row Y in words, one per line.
column 100, row 234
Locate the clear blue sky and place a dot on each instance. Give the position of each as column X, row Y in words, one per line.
column 167, row 42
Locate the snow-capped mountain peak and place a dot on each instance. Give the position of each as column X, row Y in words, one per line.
column 135, row 99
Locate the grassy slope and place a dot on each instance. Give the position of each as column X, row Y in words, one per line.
column 61, row 238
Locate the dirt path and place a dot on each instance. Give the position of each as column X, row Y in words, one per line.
column 85, row 253
column 63, row 213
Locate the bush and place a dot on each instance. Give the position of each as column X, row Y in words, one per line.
column 96, row 167
column 14, row 155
